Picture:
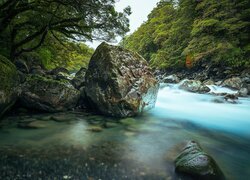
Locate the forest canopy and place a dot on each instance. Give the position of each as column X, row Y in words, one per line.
column 46, row 26
column 195, row 30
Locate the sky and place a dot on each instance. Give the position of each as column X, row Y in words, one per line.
column 140, row 10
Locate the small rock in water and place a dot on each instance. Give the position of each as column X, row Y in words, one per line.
column 231, row 98
column 32, row 125
column 195, row 162
column 95, row 129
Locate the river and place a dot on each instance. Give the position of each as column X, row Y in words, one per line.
column 86, row 146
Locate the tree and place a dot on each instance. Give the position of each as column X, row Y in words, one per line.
column 24, row 24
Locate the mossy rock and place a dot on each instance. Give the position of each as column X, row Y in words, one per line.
column 195, row 162
column 9, row 84
column 119, row 82
column 48, row 95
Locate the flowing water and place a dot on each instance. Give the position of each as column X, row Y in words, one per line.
column 77, row 145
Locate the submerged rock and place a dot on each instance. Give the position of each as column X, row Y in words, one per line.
column 95, row 129
column 32, row 125
column 8, row 84
column 45, row 94
column 195, row 162
column 193, row 86
column 119, row 82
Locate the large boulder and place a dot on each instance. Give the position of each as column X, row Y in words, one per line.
column 79, row 80
column 119, row 82
column 195, row 86
column 234, row 83
column 8, row 84
column 195, row 162
column 46, row 94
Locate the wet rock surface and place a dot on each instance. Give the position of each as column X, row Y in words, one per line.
column 45, row 94
column 195, row 162
column 119, row 82
column 79, row 80
column 193, row 86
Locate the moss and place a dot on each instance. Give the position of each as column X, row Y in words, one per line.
column 8, row 83
column 8, row 74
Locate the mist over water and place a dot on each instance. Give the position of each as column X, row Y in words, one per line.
column 201, row 109
column 131, row 148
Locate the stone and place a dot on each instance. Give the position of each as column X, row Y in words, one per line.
column 231, row 98
column 171, row 79
column 234, row 83
column 95, row 129
column 119, row 82
column 208, row 82
column 32, row 125
column 79, row 80
column 193, row 86
column 195, row 162
column 45, row 94
column 243, row 92
column 58, row 70
column 9, row 81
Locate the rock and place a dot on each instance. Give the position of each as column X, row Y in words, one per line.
column 193, row 86
column 58, row 70
column 95, row 129
column 171, row 79
column 208, row 82
column 128, row 121
column 119, row 82
column 8, row 85
column 234, row 83
column 32, row 125
column 231, row 98
column 218, row 83
column 79, row 80
column 195, row 162
column 110, row 125
column 22, row 66
column 37, row 70
column 243, row 92
column 248, row 88
column 45, row 94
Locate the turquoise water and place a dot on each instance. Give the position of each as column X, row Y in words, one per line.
column 84, row 146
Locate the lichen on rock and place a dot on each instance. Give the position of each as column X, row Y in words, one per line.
column 119, row 82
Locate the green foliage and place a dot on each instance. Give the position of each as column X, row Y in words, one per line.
column 216, row 31
column 25, row 24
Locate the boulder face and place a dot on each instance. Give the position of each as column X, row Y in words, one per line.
column 193, row 86
column 45, row 94
column 234, row 83
column 79, row 80
column 119, row 82
column 8, row 84
column 195, row 162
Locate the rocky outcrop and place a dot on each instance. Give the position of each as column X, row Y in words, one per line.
column 195, row 162
column 46, row 94
column 193, row 86
column 234, row 83
column 8, row 84
column 79, row 80
column 171, row 79
column 119, row 82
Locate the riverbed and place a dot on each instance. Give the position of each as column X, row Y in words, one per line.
column 80, row 145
